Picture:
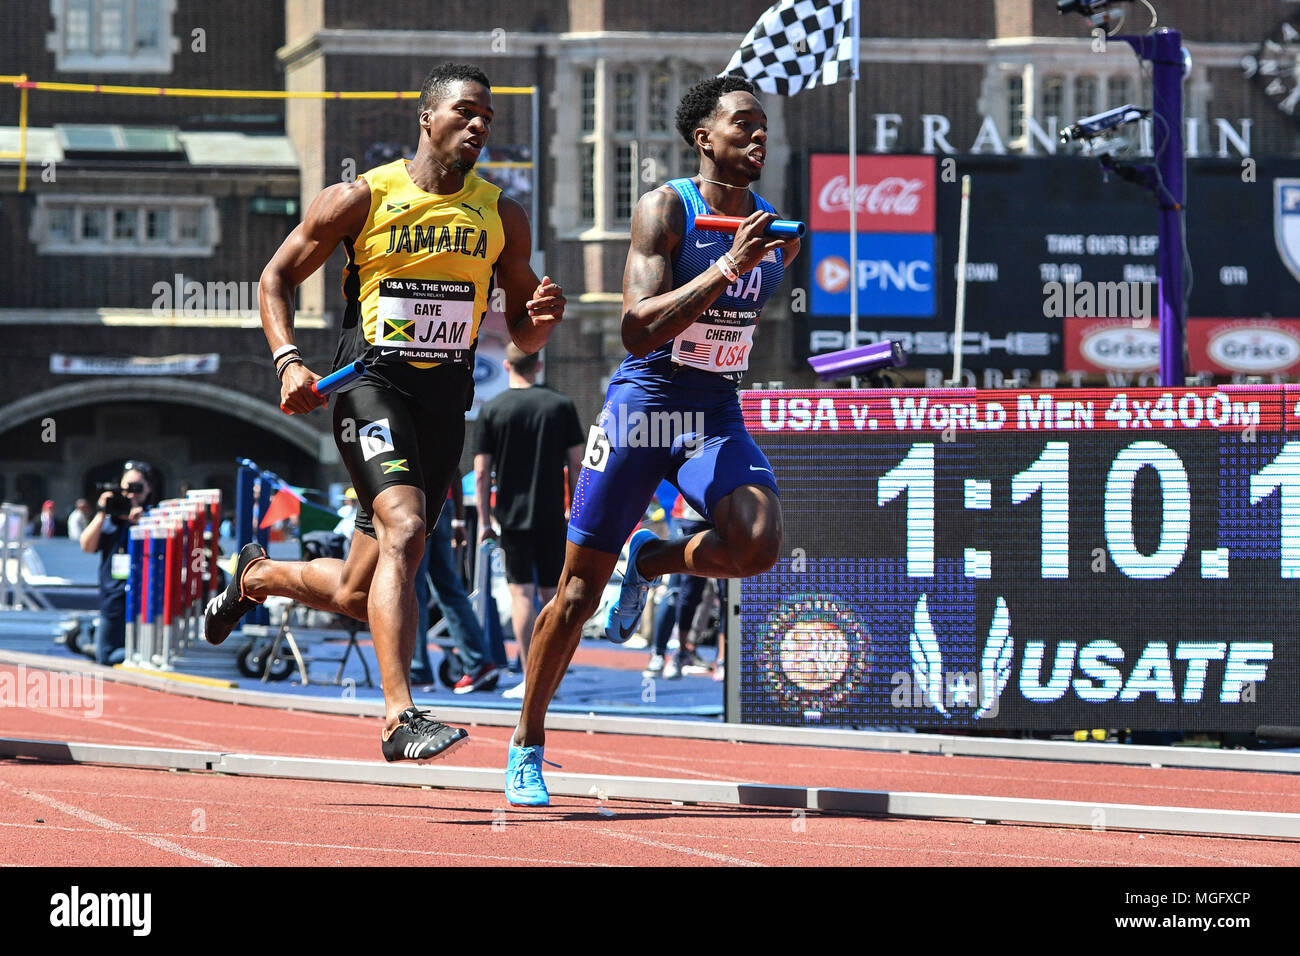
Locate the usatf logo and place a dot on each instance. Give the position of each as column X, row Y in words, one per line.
column 980, row 691
column 396, row 464
column 1096, row 672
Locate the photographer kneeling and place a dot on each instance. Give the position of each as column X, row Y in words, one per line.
column 109, row 533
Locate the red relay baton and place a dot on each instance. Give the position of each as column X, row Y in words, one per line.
column 777, row 228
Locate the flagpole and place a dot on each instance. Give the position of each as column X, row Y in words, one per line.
column 853, row 183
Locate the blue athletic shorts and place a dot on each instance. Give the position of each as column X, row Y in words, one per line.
column 696, row 440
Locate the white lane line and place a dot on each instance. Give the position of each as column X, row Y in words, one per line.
column 147, row 731
column 661, row 845
column 252, row 841
column 281, row 730
column 1158, row 845
column 154, row 840
column 649, row 765
column 979, row 854
column 1217, row 859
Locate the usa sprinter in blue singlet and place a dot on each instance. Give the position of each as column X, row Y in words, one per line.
column 691, row 301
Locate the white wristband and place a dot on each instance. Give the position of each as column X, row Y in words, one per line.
column 727, row 271
column 282, row 351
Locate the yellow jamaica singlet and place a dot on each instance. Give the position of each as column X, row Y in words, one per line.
column 418, row 274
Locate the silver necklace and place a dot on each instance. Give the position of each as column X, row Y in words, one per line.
column 727, row 185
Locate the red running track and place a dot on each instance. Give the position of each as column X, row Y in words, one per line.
column 76, row 815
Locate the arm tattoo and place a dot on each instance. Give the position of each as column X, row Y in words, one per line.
column 688, row 301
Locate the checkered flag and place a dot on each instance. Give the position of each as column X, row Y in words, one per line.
column 796, row 45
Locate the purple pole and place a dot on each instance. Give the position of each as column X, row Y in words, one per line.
column 1164, row 49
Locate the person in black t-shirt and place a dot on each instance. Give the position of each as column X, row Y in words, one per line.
column 527, row 435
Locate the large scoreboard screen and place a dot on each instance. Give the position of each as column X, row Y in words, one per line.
column 1040, row 224
column 1035, row 560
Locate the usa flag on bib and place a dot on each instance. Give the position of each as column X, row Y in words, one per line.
column 693, row 352
column 796, row 45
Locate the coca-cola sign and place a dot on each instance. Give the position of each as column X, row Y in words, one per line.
column 892, row 196
column 893, row 193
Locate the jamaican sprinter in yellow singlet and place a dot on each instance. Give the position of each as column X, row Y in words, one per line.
column 424, row 238
column 420, row 271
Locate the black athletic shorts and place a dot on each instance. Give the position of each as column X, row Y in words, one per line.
column 389, row 438
column 526, row 550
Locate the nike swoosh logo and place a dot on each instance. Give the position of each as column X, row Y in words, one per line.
column 383, row 352
column 626, row 632
column 703, row 245
column 756, row 468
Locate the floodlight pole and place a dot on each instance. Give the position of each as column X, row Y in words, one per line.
column 1164, row 50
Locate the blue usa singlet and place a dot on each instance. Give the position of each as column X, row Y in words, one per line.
column 674, row 413
column 718, row 343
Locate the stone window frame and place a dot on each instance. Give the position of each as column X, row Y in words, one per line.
column 179, row 208
column 157, row 59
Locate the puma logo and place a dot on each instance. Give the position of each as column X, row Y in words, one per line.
column 478, row 212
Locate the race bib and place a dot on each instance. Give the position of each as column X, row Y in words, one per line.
column 596, row 457
column 120, row 567
column 714, row 348
column 425, row 320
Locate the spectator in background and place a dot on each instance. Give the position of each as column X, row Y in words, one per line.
column 45, row 525
column 78, row 518
column 439, row 569
column 347, row 514
column 109, row 533
column 527, row 435
column 684, row 594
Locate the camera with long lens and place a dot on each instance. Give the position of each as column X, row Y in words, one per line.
column 1091, row 127
column 118, row 505
column 1100, row 13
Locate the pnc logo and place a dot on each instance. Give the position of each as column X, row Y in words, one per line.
column 833, row 274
